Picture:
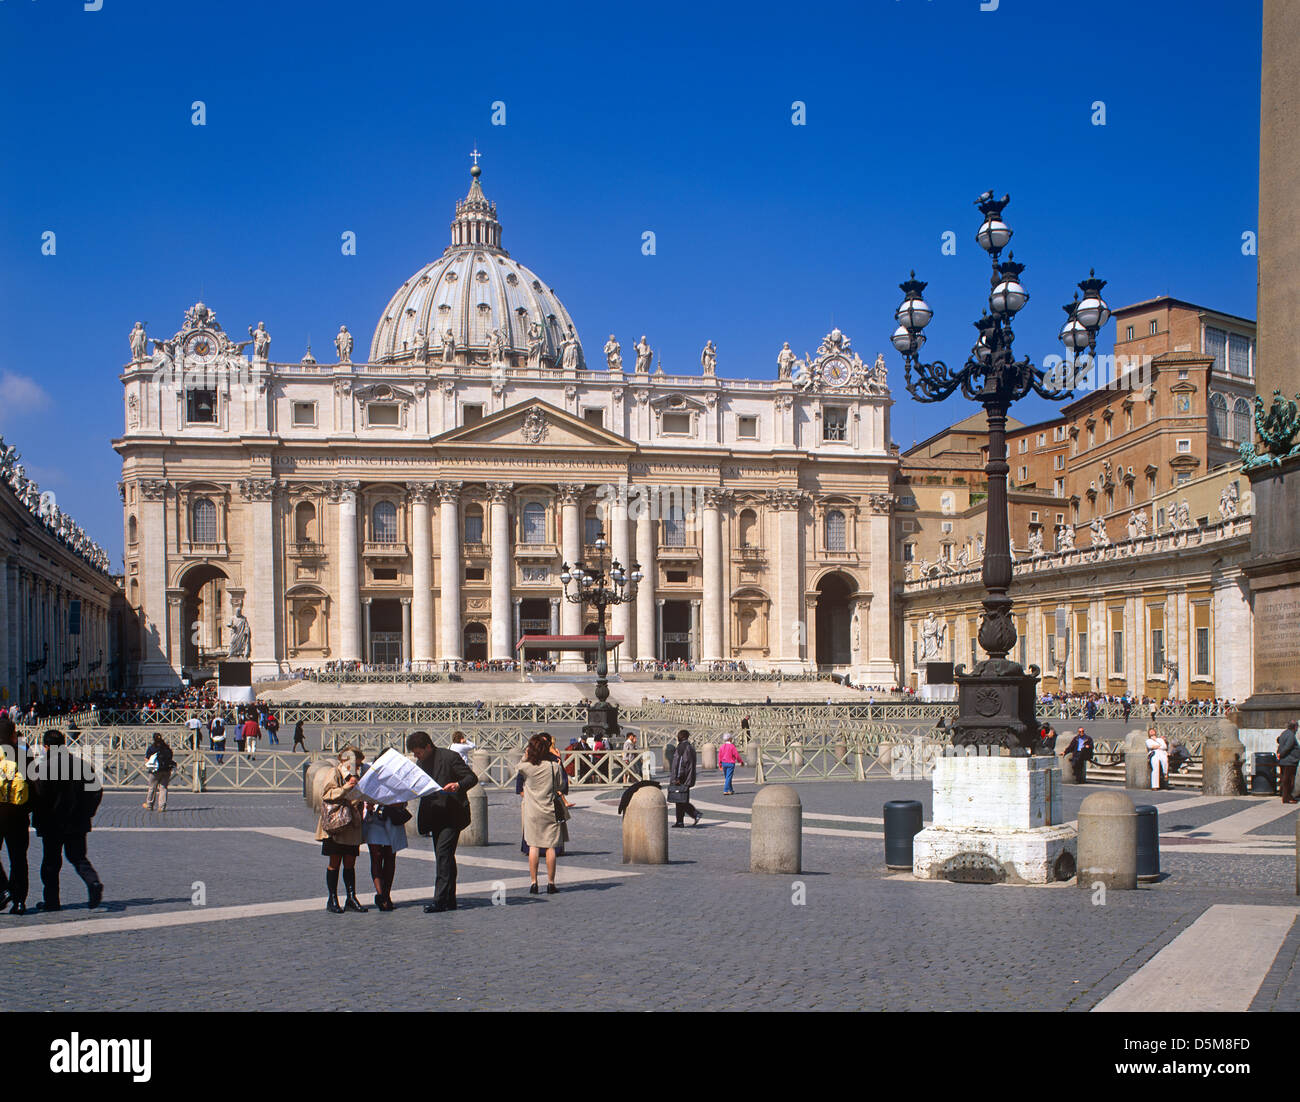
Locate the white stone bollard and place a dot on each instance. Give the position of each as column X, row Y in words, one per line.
column 645, row 828
column 776, row 830
column 708, row 756
column 476, row 834
column 1108, row 842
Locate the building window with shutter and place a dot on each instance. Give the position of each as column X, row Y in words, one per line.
column 204, row 521
column 836, row 531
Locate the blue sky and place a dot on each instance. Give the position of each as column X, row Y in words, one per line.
column 326, row 117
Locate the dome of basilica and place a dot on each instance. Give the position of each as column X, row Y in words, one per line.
column 475, row 304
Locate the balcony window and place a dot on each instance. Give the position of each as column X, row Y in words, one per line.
column 675, row 527
column 836, row 531
column 384, row 522
column 474, row 524
column 534, row 523
column 304, row 414
column 1216, row 345
column 835, row 424
column 385, row 415
column 677, row 424
column 1239, row 355
column 747, row 428
column 204, row 521
column 201, row 407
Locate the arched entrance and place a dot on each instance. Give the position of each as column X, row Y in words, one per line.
column 476, row 640
column 834, row 620
column 204, row 615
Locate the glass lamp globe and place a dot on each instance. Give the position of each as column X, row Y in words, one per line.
column 600, row 543
column 993, row 235
column 1074, row 335
column 1008, row 297
column 914, row 314
column 906, row 342
column 1093, row 312
column 565, row 578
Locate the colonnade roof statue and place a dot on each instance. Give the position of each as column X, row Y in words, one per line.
column 46, row 510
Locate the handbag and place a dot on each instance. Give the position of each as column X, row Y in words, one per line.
column 679, row 794
column 557, row 799
column 337, row 816
column 397, row 814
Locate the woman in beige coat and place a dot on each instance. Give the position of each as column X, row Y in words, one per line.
column 342, row 845
column 544, row 813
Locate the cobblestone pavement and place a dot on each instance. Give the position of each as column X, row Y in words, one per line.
column 701, row 932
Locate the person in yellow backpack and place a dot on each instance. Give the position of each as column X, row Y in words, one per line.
column 15, row 804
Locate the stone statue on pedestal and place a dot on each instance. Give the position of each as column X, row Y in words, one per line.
column 933, row 637
column 785, row 361
column 643, row 356
column 261, row 342
column 138, row 342
column 709, row 359
column 343, row 345
column 536, row 343
column 613, row 354
column 241, row 640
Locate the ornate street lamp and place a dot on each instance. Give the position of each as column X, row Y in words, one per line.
column 996, row 699
column 589, row 585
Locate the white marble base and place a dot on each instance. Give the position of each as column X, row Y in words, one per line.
column 937, row 693
column 1004, row 808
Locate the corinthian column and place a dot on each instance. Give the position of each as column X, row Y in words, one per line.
column 645, row 593
column 499, row 639
column 449, row 567
column 349, row 591
column 616, row 525
column 791, row 630
column 421, row 641
column 571, row 551
column 714, row 589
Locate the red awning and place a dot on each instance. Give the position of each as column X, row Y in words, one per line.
column 568, row 642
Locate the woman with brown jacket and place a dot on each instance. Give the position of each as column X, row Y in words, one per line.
column 341, row 842
column 545, row 817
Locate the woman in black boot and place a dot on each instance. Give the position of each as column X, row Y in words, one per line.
column 339, row 829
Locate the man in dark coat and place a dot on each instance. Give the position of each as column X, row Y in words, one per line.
column 1080, row 751
column 1288, row 757
column 442, row 814
column 683, row 776
column 65, row 798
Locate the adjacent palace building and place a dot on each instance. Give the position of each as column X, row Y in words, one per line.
column 416, row 508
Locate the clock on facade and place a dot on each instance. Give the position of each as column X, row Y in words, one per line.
column 836, row 371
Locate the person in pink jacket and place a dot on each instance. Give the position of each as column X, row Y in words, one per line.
column 728, row 757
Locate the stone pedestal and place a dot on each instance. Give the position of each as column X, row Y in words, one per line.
column 776, row 830
column 996, row 818
column 476, row 834
column 1222, row 753
column 645, row 828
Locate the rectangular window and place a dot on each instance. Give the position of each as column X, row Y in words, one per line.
column 1183, row 476
column 677, row 424
column 1202, row 652
column 594, row 416
column 1239, row 355
column 591, row 529
column 946, row 526
column 678, row 576
column 304, row 414
column 909, row 552
column 1033, row 516
column 1216, row 345
column 1024, row 474
column 473, row 527
column 1157, row 642
column 1184, row 447
column 474, row 573
column 747, row 428
column 1024, row 643
column 1042, row 439
column 835, row 425
column 1081, row 641
column 1059, row 487
column 384, row 574
column 471, row 414
column 1155, row 327
column 1117, row 640
column 1058, row 433
column 382, row 415
column 1128, row 418
column 1024, row 444
column 1058, row 462
column 1128, row 336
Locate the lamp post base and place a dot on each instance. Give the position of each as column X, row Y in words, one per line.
column 602, row 721
column 996, row 706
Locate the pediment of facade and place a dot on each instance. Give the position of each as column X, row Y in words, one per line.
column 534, row 426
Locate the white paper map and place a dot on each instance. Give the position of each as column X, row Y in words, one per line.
column 395, row 779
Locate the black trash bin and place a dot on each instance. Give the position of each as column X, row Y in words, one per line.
column 902, row 824
column 1148, row 842
column 1263, row 781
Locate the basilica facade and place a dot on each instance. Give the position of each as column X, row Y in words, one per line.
column 418, row 507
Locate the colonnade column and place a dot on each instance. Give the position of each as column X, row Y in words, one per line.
column 449, row 566
column 555, row 623
column 499, row 641
column 791, row 632
column 616, row 525
column 645, row 594
column 349, row 588
column 259, row 493
column 693, row 652
column 514, row 639
column 714, row 592
column 421, row 653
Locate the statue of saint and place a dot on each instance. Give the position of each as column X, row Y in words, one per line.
column 421, row 346
column 643, row 356
column 1228, row 501
column 240, row 636
column 784, row 361
column 709, row 359
column 571, row 352
column 1100, row 538
column 1184, row 514
column 1036, row 542
column 343, row 345
column 496, row 347
column 613, row 354
column 933, row 637
column 857, row 632
column 1171, row 678
column 448, row 346
column 536, row 343
column 138, row 341
column 261, row 342
column 1066, row 540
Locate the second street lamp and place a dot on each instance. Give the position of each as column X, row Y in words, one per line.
column 585, row 585
column 996, row 700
